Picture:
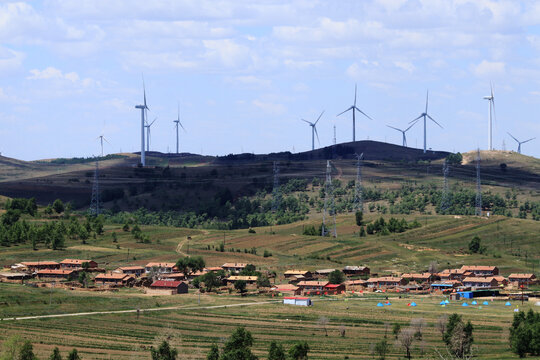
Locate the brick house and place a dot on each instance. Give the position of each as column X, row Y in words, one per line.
column 77, row 264
column 356, row 270
column 234, row 267
column 114, row 279
column 312, row 287
column 480, row 282
column 40, row 265
column 334, row 289
column 480, row 270
column 385, row 282
column 168, row 287
column 57, row 274
column 131, row 270
column 161, row 268
column 420, row 278
column 522, row 279
column 297, row 273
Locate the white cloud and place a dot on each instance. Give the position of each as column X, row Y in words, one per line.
column 269, row 107
column 54, row 74
column 249, row 80
column 488, row 69
column 405, row 65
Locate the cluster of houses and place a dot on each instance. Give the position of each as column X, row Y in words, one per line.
column 165, row 278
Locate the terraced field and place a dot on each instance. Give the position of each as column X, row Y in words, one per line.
column 126, row 336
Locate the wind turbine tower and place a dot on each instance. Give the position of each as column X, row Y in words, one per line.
column 491, row 100
column 425, row 116
column 101, row 138
column 520, row 142
column 359, row 201
column 404, row 137
column 314, row 130
column 147, row 126
column 177, row 122
column 478, row 204
column 143, row 109
column 354, row 109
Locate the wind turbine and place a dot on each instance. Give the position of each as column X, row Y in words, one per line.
column 425, row 115
column 314, row 131
column 520, row 142
column 354, row 110
column 147, row 126
column 143, row 108
column 402, row 132
column 177, row 122
column 101, row 138
column 491, row 100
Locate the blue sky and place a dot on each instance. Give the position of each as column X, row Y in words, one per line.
column 246, row 71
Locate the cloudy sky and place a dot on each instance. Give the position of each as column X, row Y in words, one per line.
column 246, row 71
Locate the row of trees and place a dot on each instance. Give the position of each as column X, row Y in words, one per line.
column 525, row 334
column 15, row 348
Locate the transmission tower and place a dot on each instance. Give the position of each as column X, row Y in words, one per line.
column 358, row 198
column 478, row 211
column 329, row 204
column 445, row 198
column 276, row 195
column 335, row 139
column 94, row 204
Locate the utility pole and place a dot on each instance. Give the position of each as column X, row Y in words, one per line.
column 478, row 211
column 358, row 196
column 94, row 203
column 276, row 195
column 445, row 198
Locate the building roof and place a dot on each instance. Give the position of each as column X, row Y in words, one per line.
column 355, row 268
column 234, row 265
column 127, row 268
column 417, row 276
column 240, row 277
column 111, row 276
column 163, row 264
column 522, row 276
column 55, row 272
column 295, row 272
column 355, row 282
column 478, row 280
column 166, row 284
column 324, row 271
column 285, row 287
column 313, row 283
column 333, row 286
column 37, row 263
column 385, row 278
column 214, row 268
column 176, row 275
column 75, row 261
column 295, row 298
column 478, row 268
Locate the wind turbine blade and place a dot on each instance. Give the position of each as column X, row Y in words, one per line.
column 152, row 122
column 316, row 133
column 107, row 141
column 309, row 122
column 513, row 137
column 395, row 128
column 432, row 119
column 343, row 112
column 418, row 118
column 319, row 118
column 354, row 95
column 363, row 113
column 523, row 142
column 407, row 129
column 427, row 99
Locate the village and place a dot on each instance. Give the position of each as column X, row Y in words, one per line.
column 165, row 278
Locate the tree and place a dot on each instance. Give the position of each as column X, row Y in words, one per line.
column 83, row 278
column 474, row 245
column 396, row 329
column 240, row 285
column 238, row 346
column 359, row 217
column 336, row 277
column 55, row 355
column 11, row 347
column 26, row 352
column 263, row 281
column 125, row 227
column 405, row 340
column 188, row 264
column 453, row 320
column 441, row 325
column 525, row 334
column 323, row 322
column 114, row 237
column 58, row 206
column 381, row 348
column 164, row 352
column 213, row 354
column 276, row 352
column 299, row 351
column 458, row 336
column 73, row 355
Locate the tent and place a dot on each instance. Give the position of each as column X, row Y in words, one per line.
column 464, row 304
column 446, row 301
column 413, row 304
column 474, row 302
column 508, row 303
column 485, row 303
column 442, row 303
column 388, row 303
column 380, row 305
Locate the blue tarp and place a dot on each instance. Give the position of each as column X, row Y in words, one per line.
column 442, row 303
column 380, row 304
column 465, row 304
column 413, row 304
column 485, row 303
column 508, row 303
column 388, row 304
column 446, row 301
column 474, row 302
